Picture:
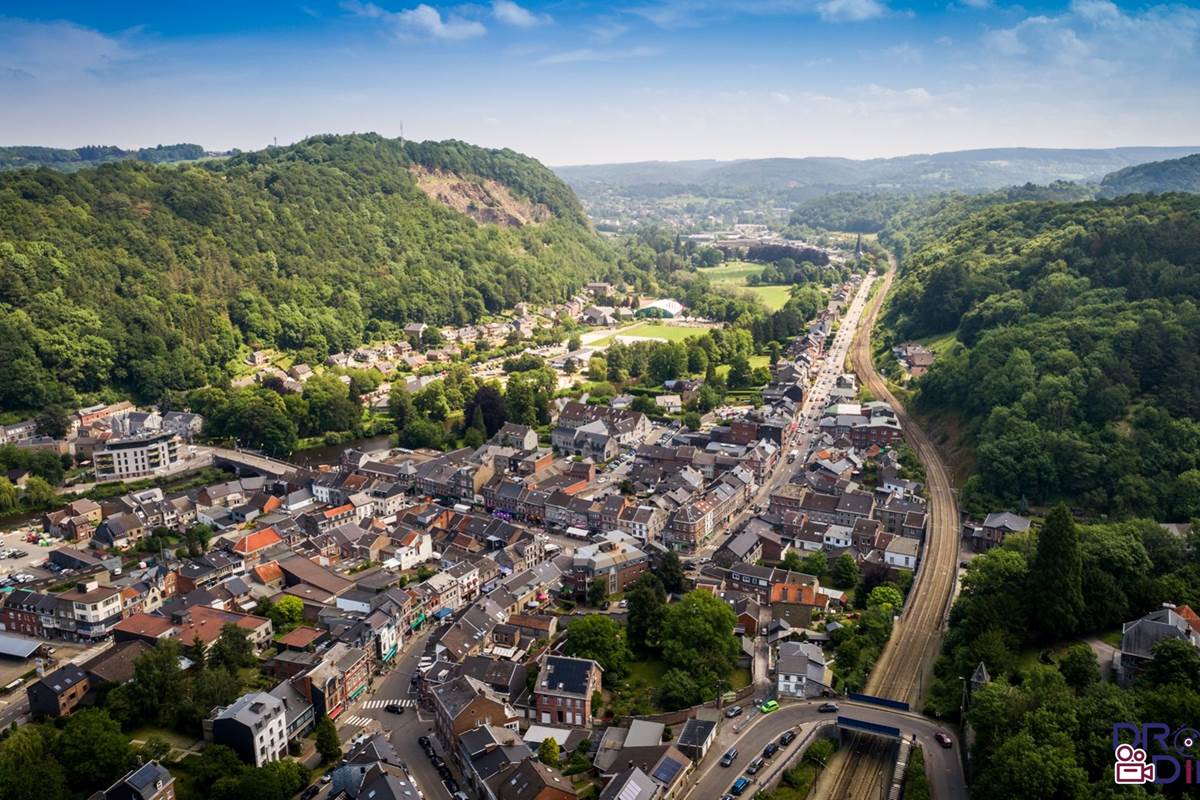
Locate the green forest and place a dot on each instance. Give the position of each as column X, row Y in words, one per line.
column 1176, row 175
column 1077, row 363
column 69, row 160
column 139, row 279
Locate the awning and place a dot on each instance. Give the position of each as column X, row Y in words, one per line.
column 358, row 691
column 416, row 623
column 391, row 653
column 442, row 613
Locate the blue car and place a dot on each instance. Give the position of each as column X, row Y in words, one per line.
column 740, row 785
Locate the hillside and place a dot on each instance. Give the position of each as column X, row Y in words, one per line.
column 146, row 278
column 1078, row 370
column 70, row 160
column 1177, row 175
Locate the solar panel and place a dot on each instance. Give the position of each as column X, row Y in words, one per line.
column 666, row 771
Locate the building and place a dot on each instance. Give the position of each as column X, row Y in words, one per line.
column 254, row 727
column 615, row 560
column 465, row 703
column 995, row 527
column 901, row 552
column 530, row 780
column 801, row 670
column 563, row 694
column 137, row 456
column 150, row 781
column 59, row 693
column 1139, row 637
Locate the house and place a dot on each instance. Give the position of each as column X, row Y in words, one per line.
column 59, row 693
column 1139, row 637
column 530, row 780
column 669, row 403
column 901, row 552
column 696, row 737
column 615, row 560
column 465, row 703
column 563, row 694
column 995, row 527
column 745, row 546
column 254, row 726
column 299, row 715
column 486, row 751
column 150, row 781
column 801, row 670
column 632, row 784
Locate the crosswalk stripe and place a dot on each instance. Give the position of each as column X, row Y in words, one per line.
column 358, row 722
column 380, row 703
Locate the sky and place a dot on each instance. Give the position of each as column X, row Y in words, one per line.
column 573, row 82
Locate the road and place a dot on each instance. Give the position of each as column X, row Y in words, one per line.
column 714, row 780
column 904, row 667
column 814, row 404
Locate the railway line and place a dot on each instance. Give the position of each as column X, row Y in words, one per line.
column 857, row 771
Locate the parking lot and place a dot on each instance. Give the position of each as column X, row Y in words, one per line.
column 33, row 555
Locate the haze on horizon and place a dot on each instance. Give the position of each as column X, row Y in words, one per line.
column 584, row 82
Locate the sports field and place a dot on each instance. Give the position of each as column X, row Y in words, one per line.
column 649, row 330
column 734, row 273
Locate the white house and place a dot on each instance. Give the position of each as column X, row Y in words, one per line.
column 801, row 670
column 413, row 548
column 902, row 552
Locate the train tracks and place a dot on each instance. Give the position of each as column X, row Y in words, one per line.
column 857, row 771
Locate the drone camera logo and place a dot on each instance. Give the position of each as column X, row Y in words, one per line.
column 1174, row 759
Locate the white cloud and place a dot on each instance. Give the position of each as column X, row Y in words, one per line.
column 904, row 52
column 59, row 49
column 594, row 54
column 850, row 10
column 424, row 21
column 510, row 13
column 977, row 4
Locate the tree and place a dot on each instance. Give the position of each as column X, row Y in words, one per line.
column 670, row 572
column 548, row 752
column 29, row 767
column 328, row 743
column 330, row 407
column 52, row 421
column 400, row 405
column 740, row 374
column 845, row 571
column 574, row 343
column 647, row 605
column 1079, row 667
column 198, row 652
column 1055, row 577
column 1175, row 663
column 678, row 689
column 158, row 686
column 8, row 494
column 488, row 402
column 792, row 561
column 287, row 613
column 93, row 750
column 39, row 493
column 601, row 639
column 815, row 563
column 597, row 593
column 776, row 351
column 697, row 637
column 232, row 649
column 887, row 596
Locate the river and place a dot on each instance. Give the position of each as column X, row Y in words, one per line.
column 330, row 453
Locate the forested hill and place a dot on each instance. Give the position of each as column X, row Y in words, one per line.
column 1078, row 372
column 149, row 278
column 1177, row 175
column 69, row 160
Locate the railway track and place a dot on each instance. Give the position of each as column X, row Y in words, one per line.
column 908, row 657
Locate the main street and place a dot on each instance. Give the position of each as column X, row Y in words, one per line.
column 905, row 665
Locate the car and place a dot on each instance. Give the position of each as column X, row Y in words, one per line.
column 770, row 750
column 755, row 765
column 732, row 712
column 726, row 796
column 326, row 778
column 827, row 708
column 624, row 603
column 943, row 739
column 769, row 706
column 310, row 792
column 739, row 786
column 436, row 760
column 451, row 785
column 444, row 773
column 424, row 742
column 392, row 708
column 730, row 756
column 787, row 738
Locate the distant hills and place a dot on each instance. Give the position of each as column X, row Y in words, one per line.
column 1157, row 177
column 800, row 178
column 69, row 160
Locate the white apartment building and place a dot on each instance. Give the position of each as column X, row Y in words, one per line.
column 137, row 456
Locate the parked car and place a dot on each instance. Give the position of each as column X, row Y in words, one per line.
column 827, row 708
column 425, row 743
column 732, row 712
column 392, row 708
column 739, row 786
column 755, row 765
column 770, row 750
column 436, row 760
column 943, row 739
column 730, row 756
column 787, row 738
column 769, row 706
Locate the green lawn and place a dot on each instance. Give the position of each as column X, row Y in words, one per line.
column 651, row 330
column 939, row 344
column 734, row 273
column 755, row 363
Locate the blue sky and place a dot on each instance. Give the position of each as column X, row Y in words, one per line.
column 589, row 82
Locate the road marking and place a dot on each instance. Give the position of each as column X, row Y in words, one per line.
column 358, row 722
column 380, row 703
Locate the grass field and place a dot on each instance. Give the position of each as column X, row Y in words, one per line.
column 755, row 363
column 734, row 273
column 650, row 330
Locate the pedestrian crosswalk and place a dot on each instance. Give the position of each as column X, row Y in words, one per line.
column 357, row 721
column 379, row 703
